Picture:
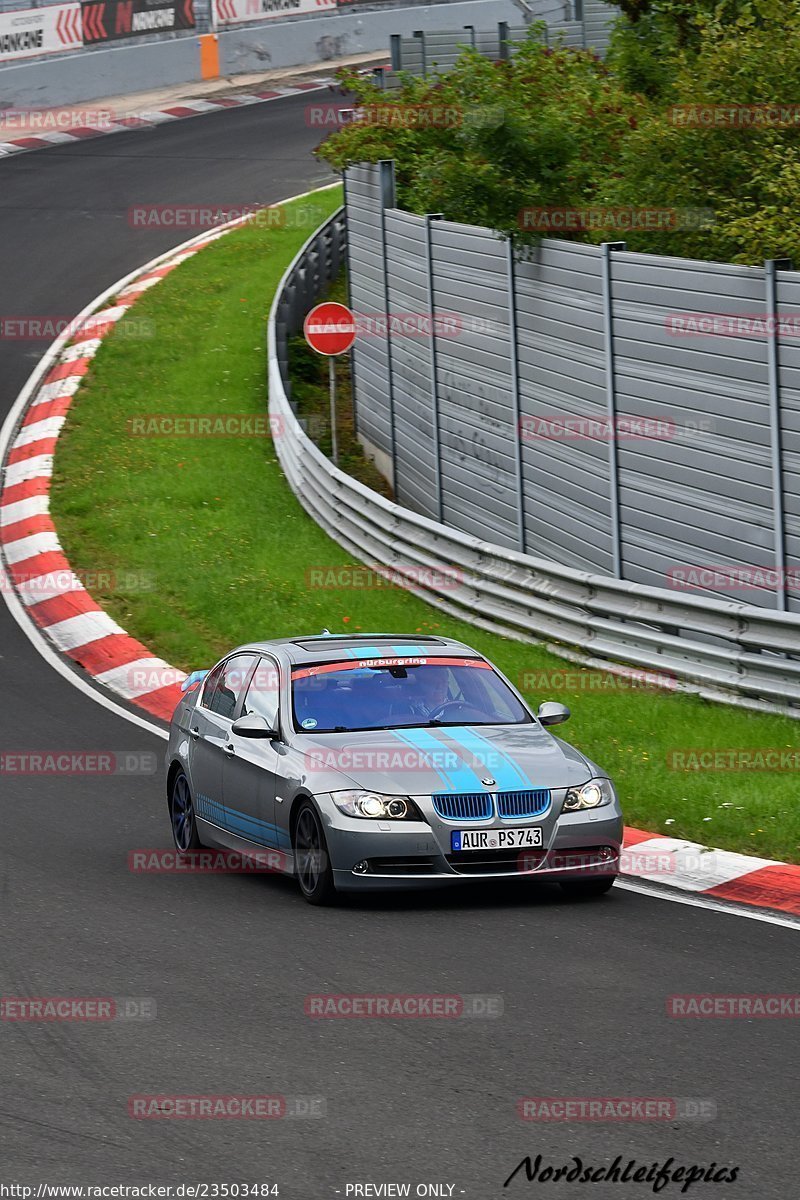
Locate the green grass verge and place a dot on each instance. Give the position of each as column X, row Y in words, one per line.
column 212, row 527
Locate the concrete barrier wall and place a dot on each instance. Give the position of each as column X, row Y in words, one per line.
column 270, row 45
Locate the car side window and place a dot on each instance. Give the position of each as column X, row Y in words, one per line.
column 228, row 685
column 263, row 695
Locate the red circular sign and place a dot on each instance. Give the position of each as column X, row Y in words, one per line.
column 330, row 328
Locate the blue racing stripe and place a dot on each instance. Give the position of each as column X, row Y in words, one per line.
column 263, row 827
column 510, row 777
column 238, row 822
column 461, row 778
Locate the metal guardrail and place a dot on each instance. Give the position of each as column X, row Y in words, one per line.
column 722, row 650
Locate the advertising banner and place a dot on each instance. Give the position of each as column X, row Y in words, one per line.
column 26, row 32
column 114, row 20
column 240, row 12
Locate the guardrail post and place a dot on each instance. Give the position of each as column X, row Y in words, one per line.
column 771, row 267
column 471, row 30
column 611, row 402
column 437, row 450
column 396, row 51
column 420, row 35
column 388, row 200
column 515, row 398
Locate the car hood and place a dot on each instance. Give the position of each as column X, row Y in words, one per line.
column 419, row 762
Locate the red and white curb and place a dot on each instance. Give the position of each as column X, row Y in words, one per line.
column 76, row 626
column 149, row 119
column 721, row 875
column 35, row 566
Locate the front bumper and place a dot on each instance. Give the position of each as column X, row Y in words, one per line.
column 403, row 855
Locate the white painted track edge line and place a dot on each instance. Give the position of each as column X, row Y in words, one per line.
column 729, row 908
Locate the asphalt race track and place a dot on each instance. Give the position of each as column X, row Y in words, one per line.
column 230, row 959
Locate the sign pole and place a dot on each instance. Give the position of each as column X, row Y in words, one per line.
column 334, row 438
column 330, row 329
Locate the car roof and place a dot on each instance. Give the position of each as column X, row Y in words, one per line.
column 333, row 647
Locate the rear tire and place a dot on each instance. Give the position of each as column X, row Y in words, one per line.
column 587, row 888
column 181, row 816
column 312, row 864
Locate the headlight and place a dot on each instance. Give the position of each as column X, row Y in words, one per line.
column 591, row 795
column 377, row 808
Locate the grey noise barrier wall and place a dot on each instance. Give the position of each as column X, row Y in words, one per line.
column 445, row 410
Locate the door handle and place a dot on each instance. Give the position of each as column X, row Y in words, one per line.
column 230, row 751
column 195, row 733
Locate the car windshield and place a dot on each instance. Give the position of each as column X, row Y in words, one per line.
column 392, row 693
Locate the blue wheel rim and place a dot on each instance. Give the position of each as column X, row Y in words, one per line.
column 182, row 814
column 308, row 845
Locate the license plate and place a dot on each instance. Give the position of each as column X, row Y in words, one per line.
column 495, row 839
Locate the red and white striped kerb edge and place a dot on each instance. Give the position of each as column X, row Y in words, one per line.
column 77, row 627
column 68, row 616
column 143, row 120
column 717, row 874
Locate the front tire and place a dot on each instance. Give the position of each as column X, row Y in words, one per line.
column 311, row 858
column 181, row 816
column 588, row 888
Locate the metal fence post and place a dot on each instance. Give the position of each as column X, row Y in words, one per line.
column 471, row 30
column 771, row 267
column 420, row 35
column 396, row 51
column 352, row 352
column 388, row 200
column 437, row 449
column 611, row 402
column 515, row 397
column 580, row 15
column 502, row 41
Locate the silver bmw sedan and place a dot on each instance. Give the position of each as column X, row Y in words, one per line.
column 374, row 761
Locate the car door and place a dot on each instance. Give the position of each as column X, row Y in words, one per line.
column 249, row 774
column 209, row 729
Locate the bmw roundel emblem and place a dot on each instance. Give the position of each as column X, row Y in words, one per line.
column 488, row 781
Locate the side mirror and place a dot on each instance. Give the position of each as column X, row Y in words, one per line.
column 551, row 713
column 253, row 727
